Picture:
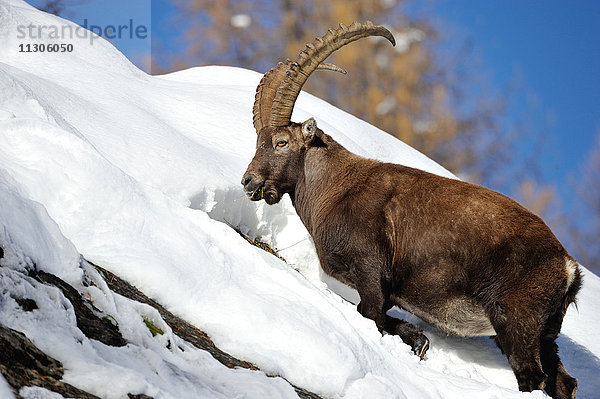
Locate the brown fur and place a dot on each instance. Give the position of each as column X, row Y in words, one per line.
column 466, row 259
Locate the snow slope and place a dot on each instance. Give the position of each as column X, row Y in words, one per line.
column 140, row 174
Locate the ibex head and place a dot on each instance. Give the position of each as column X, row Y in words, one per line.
column 281, row 144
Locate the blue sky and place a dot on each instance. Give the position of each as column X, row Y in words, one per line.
column 134, row 16
column 552, row 48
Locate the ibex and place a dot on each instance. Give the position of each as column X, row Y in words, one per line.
column 463, row 258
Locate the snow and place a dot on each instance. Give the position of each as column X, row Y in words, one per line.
column 5, row 391
column 140, row 175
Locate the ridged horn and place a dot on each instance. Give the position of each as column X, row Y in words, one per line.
column 279, row 87
column 265, row 94
column 267, row 90
column 284, row 83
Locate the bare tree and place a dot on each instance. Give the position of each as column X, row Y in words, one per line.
column 62, row 8
column 55, row 7
column 585, row 216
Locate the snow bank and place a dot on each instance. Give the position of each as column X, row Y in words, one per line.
column 162, row 366
column 140, row 174
column 5, row 391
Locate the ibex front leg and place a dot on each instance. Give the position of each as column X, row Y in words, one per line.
column 410, row 334
column 374, row 304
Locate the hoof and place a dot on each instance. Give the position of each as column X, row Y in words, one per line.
column 420, row 346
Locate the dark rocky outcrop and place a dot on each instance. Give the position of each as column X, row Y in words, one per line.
column 23, row 364
column 183, row 329
column 92, row 326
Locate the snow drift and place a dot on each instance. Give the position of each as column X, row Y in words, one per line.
column 140, row 174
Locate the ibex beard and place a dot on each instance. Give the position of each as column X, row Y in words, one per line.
column 463, row 258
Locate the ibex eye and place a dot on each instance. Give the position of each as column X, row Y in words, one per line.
column 281, row 143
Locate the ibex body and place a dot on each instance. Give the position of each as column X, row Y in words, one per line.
column 465, row 259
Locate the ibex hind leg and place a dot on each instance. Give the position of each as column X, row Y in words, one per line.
column 519, row 339
column 560, row 384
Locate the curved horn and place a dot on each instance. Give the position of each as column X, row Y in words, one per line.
column 267, row 90
column 279, row 87
column 265, row 94
column 310, row 58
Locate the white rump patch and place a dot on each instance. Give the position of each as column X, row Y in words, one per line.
column 571, row 267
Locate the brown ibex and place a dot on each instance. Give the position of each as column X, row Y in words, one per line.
column 463, row 258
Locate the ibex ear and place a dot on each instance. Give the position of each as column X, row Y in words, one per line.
column 309, row 128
